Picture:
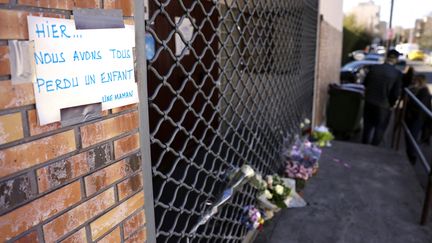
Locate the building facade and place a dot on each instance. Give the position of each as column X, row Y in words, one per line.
column 329, row 54
column 367, row 15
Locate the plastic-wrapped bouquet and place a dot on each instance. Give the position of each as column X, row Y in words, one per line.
column 258, row 182
column 277, row 192
column 298, row 171
column 304, row 152
column 301, row 161
column 322, row 135
column 253, row 218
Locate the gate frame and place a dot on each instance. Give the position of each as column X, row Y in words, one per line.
column 144, row 130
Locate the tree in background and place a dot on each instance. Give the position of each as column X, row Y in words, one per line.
column 425, row 41
column 355, row 37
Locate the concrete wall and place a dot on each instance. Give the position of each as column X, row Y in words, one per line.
column 329, row 54
column 78, row 183
column 332, row 12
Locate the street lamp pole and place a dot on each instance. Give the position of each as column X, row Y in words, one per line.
column 390, row 36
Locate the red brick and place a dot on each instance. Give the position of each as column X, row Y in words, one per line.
column 140, row 236
column 102, row 178
column 61, row 4
column 31, row 214
column 126, row 145
column 15, row 95
column 105, row 113
column 35, row 129
column 30, row 238
column 126, row 5
column 133, row 224
column 100, row 131
column 4, row 1
column 107, row 221
column 15, row 191
column 129, row 21
column 62, row 171
column 77, row 216
column 77, row 237
column 65, row 170
column 33, row 153
column 87, row 3
column 11, row 128
column 4, row 60
column 125, row 108
column 14, row 23
column 130, row 185
column 112, row 237
column 58, row 4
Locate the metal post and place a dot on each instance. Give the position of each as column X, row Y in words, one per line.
column 402, row 116
column 396, row 125
column 141, row 70
column 390, row 25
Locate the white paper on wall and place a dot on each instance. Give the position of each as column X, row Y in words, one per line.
column 79, row 67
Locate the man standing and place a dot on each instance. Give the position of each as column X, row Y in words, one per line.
column 382, row 89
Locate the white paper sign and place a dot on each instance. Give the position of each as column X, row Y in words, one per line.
column 79, row 67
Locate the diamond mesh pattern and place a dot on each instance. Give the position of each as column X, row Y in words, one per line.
column 243, row 80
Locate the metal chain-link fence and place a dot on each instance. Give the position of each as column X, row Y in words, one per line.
column 228, row 81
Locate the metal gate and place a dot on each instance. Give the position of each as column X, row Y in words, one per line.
column 228, row 81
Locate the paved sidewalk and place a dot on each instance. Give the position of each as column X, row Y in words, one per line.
column 362, row 194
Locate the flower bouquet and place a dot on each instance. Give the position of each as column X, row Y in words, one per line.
column 253, row 218
column 299, row 173
column 322, row 136
column 305, row 127
column 276, row 194
column 302, row 162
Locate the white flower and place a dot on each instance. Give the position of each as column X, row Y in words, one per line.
column 256, row 225
column 279, row 189
column 269, row 180
column 248, row 171
column 268, row 194
column 302, row 125
column 307, row 121
column 258, row 177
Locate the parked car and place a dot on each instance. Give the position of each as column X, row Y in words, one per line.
column 375, row 57
column 416, row 55
column 381, row 50
column 355, row 71
column 428, row 59
column 405, row 48
column 357, row 55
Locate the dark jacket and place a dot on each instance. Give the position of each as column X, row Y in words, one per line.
column 383, row 85
column 414, row 113
column 407, row 77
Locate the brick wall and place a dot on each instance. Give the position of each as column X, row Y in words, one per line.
column 70, row 184
column 329, row 64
